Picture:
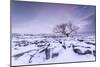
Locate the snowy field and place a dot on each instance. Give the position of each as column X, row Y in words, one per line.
column 41, row 49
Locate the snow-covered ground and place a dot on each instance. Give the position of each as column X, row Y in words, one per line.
column 27, row 50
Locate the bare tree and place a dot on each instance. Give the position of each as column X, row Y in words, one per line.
column 65, row 29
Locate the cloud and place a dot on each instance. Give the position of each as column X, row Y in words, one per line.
column 42, row 17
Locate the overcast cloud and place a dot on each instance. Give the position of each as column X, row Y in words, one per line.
column 33, row 17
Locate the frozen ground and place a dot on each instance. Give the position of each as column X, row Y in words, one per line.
column 33, row 49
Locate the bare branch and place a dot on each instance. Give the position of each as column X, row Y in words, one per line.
column 65, row 28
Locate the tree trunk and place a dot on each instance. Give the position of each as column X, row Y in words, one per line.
column 67, row 34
